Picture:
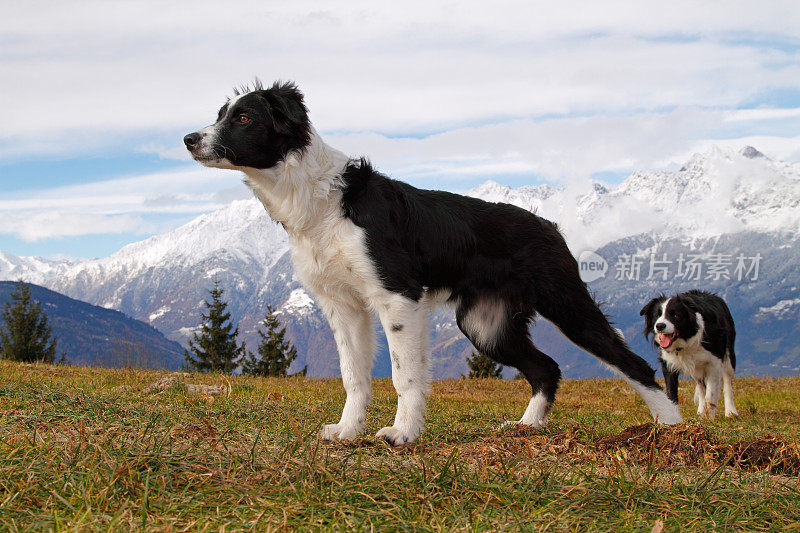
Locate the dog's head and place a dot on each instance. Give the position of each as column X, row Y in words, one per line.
column 255, row 129
column 671, row 321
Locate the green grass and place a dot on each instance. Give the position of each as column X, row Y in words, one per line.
column 80, row 452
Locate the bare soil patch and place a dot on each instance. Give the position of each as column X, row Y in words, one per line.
column 693, row 445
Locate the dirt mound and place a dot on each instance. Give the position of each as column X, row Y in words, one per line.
column 684, row 444
column 693, row 445
column 772, row 453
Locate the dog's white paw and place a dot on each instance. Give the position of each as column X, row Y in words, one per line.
column 670, row 417
column 396, row 436
column 339, row 432
column 731, row 414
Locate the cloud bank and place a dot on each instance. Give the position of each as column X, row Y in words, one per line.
column 443, row 95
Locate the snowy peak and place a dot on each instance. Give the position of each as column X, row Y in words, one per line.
column 30, row 269
column 716, row 192
column 722, row 191
column 242, row 228
column 750, row 153
column 298, row 303
column 530, row 197
column 240, row 233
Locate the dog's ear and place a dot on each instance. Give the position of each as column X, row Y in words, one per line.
column 689, row 302
column 647, row 313
column 287, row 108
column 648, row 307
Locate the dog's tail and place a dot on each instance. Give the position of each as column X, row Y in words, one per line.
column 570, row 307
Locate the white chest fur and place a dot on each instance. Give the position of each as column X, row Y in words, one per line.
column 333, row 262
column 691, row 360
column 688, row 355
column 304, row 193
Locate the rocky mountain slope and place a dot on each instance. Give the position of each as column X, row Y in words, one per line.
column 91, row 335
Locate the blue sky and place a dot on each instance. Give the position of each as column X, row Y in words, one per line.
column 100, row 94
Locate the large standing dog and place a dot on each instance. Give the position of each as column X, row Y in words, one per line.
column 364, row 243
column 695, row 334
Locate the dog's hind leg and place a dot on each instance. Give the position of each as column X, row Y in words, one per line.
column 568, row 305
column 503, row 336
column 353, row 332
column 404, row 322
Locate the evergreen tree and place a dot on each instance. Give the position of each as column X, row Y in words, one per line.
column 275, row 354
column 481, row 366
column 26, row 335
column 215, row 348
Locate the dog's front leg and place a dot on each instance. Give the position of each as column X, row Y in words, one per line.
column 700, row 396
column 352, row 330
column 404, row 322
column 713, row 385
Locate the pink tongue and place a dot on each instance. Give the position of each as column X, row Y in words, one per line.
column 665, row 340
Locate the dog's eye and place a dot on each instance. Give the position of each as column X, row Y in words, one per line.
column 242, row 119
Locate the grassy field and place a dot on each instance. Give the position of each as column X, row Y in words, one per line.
column 97, row 449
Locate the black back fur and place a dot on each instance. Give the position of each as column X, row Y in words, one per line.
column 426, row 240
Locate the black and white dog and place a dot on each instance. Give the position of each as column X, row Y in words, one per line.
column 364, row 244
column 695, row 334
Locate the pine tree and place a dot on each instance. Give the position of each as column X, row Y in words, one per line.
column 26, row 335
column 215, row 348
column 481, row 366
column 275, row 354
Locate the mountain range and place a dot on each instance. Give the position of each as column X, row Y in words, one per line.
column 730, row 219
column 91, row 335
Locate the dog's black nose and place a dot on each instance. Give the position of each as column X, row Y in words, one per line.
column 191, row 140
column 661, row 326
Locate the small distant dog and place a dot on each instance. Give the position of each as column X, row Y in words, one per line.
column 364, row 244
column 695, row 333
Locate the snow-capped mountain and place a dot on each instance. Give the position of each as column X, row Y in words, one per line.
column 714, row 193
column 30, row 269
column 719, row 202
column 165, row 279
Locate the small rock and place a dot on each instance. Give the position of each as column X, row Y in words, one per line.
column 164, row 384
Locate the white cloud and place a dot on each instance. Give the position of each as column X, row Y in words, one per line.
column 38, row 225
column 96, row 72
column 559, row 150
column 556, row 150
column 118, row 205
column 128, row 194
column 441, row 93
column 778, row 148
column 761, row 114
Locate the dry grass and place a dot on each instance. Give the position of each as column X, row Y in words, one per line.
column 98, row 449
